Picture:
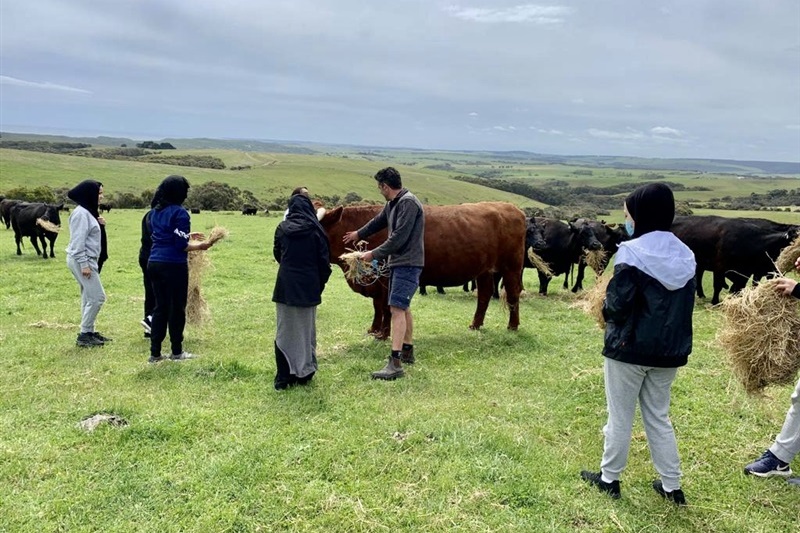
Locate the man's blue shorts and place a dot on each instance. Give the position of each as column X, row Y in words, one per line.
column 403, row 285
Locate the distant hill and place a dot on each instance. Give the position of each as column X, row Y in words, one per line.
column 725, row 166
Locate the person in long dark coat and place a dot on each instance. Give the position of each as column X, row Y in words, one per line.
column 301, row 248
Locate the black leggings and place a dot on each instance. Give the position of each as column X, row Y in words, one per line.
column 170, row 283
column 149, row 297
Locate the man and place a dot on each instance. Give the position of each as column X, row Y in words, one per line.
column 775, row 461
column 404, row 218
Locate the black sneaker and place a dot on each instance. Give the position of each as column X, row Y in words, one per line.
column 183, row 356
column 676, row 496
column 595, row 478
column 153, row 359
column 389, row 372
column 88, row 340
column 103, row 338
column 407, row 357
column 147, row 323
column 767, row 466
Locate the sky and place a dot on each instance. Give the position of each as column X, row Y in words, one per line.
column 655, row 78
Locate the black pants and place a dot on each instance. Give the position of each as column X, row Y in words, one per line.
column 170, row 282
column 283, row 376
column 149, row 297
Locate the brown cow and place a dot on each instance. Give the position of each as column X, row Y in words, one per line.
column 462, row 242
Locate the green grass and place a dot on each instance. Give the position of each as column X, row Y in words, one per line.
column 486, row 433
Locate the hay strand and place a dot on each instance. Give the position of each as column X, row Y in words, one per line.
column 539, row 264
column 596, row 259
column 788, row 256
column 591, row 301
column 197, row 310
column 760, row 336
column 359, row 271
column 47, row 225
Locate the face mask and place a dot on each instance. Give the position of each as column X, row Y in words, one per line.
column 629, row 227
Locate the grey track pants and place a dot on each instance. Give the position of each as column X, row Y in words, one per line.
column 92, row 294
column 625, row 383
column 787, row 443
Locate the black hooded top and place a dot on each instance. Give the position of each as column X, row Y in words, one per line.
column 652, row 208
column 86, row 194
column 301, row 248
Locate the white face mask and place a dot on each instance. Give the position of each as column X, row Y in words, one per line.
column 629, row 227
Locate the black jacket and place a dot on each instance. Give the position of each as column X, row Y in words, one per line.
column 647, row 324
column 301, row 248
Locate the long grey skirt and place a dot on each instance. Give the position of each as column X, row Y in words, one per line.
column 296, row 337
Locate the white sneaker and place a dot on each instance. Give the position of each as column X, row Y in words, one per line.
column 183, row 356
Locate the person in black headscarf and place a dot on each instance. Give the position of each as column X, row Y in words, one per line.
column 86, row 248
column 168, row 266
column 301, row 248
column 648, row 312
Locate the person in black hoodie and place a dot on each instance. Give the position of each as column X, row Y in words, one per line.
column 648, row 313
column 775, row 460
column 86, row 252
column 301, row 248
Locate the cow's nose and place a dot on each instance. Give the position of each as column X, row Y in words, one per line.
column 596, row 245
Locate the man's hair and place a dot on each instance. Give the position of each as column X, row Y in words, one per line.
column 390, row 176
column 300, row 190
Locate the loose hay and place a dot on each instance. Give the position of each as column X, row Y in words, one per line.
column 760, row 336
column 596, row 259
column 788, row 256
column 47, row 225
column 197, row 311
column 591, row 301
column 539, row 264
column 360, row 271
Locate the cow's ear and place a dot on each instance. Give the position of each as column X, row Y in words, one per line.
column 331, row 217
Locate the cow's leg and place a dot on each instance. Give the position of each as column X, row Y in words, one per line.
column 544, row 281
column 36, row 246
column 512, row 281
column 698, row 275
column 485, row 282
column 52, row 246
column 581, row 272
column 719, row 282
column 440, row 289
column 496, row 277
column 423, row 291
column 44, row 245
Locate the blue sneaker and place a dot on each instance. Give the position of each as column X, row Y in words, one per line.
column 767, row 466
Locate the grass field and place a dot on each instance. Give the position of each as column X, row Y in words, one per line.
column 486, row 433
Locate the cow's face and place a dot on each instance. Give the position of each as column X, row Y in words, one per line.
column 534, row 236
column 586, row 235
column 51, row 214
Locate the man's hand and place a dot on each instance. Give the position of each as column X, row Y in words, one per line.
column 350, row 237
column 785, row 286
column 367, row 256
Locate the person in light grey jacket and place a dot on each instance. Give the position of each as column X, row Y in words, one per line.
column 86, row 247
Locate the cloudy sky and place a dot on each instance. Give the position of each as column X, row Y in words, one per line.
column 658, row 78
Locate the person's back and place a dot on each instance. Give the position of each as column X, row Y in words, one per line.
column 170, row 234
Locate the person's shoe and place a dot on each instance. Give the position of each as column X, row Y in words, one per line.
column 794, row 481
column 389, row 372
column 153, row 360
column 147, row 324
column 87, row 340
column 595, row 478
column 183, row 356
column 767, row 466
column 676, row 496
column 98, row 335
column 407, row 357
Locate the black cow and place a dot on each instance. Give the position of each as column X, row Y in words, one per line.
column 24, row 218
column 564, row 245
column 195, row 211
column 104, row 207
column 736, row 248
column 249, row 210
column 5, row 210
column 610, row 237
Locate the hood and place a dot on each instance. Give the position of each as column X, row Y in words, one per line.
column 660, row 255
column 652, row 208
column 301, row 216
column 86, row 194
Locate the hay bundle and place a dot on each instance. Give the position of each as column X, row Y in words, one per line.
column 760, row 336
column 539, row 264
column 788, row 256
column 197, row 310
column 47, row 225
column 596, row 259
column 591, row 301
column 359, row 271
